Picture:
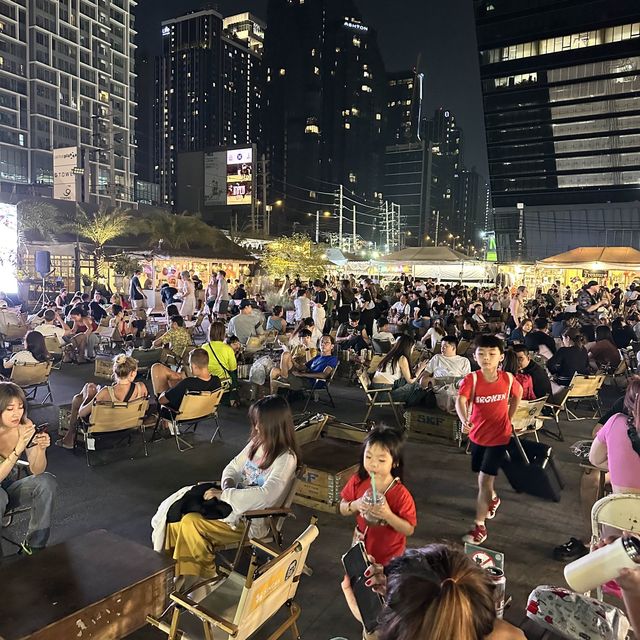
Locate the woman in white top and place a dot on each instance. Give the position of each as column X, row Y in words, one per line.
column 395, row 371
column 187, row 295
column 259, row 477
column 34, row 351
column 434, row 335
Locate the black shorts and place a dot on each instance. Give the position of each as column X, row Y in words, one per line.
column 487, row 459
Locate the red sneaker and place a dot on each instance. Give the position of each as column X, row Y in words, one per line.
column 493, row 507
column 477, row 535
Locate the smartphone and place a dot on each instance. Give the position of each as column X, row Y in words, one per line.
column 370, row 604
column 38, row 429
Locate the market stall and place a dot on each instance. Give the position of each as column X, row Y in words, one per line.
column 607, row 265
column 440, row 263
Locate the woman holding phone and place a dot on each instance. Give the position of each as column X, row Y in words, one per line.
column 19, row 438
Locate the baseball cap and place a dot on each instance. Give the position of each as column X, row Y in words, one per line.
column 592, row 283
column 248, row 303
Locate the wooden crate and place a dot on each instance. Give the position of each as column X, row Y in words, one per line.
column 433, row 425
column 98, row 586
column 331, row 451
column 103, row 367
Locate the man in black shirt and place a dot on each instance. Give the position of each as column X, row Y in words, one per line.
column 539, row 377
column 170, row 386
column 96, row 310
column 540, row 336
column 352, row 334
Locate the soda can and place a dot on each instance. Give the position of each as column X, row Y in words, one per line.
column 500, row 589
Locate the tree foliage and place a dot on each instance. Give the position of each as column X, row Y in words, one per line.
column 292, row 255
column 101, row 226
column 175, row 231
column 39, row 217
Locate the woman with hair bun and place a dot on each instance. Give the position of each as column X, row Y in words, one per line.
column 434, row 593
column 124, row 389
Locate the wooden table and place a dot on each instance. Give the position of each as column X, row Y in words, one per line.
column 97, row 586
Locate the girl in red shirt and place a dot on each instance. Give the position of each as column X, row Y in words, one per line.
column 383, row 527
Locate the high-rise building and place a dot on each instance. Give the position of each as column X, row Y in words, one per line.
column 404, row 107
column 67, row 80
column 561, row 82
column 325, row 103
column 443, row 130
column 208, row 89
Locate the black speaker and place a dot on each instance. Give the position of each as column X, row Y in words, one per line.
column 43, row 262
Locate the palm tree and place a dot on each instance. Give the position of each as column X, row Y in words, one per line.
column 100, row 227
column 175, row 231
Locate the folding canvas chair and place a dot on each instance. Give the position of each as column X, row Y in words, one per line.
column 373, row 399
column 239, row 605
column 373, row 365
column 321, row 384
column 31, row 376
column 618, row 510
column 55, row 350
column 196, row 406
column 275, row 516
column 621, row 371
column 380, row 347
column 113, row 417
column 581, row 388
column 527, row 417
column 254, row 343
column 110, row 338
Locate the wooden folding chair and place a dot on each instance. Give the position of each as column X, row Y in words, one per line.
column 527, row 417
column 55, row 350
column 372, row 397
column 239, row 605
column 196, row 406
column 31, row 376
column 275, row 516
column 112, row 417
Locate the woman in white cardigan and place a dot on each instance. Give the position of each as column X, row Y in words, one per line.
column 259, row 477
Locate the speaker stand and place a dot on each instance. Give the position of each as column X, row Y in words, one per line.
column 43, row 300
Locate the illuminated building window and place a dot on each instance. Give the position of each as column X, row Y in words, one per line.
column 512, row 81
column 312, row 126
column 366, row 88
column 355, row 112
column 316, row 70
column 352, row 178
column 347, row 125
column 356, row 41
column 283, row 72
column 378, row 116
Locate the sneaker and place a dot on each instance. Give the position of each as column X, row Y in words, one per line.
column 574, row 548
column 493, row 507
column 477, row 535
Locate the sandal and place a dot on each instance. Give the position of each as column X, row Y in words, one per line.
column 61, row 443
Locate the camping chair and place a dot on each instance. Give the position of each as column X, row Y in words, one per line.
column 197, row 329
column 275, row 516
column 580, row 388
column 630, row 359
column 372, row 397
column 10, row 514
column 374, row 363
column 239, row 605
column 380, row 347
column 55, row 350
column 254, row 343
column 527, row 417
column 621, row 371
column 320, row 384
column 196, row 406
column 31, row 376
column 113, row 417
column 618, row 510
column 110, row 338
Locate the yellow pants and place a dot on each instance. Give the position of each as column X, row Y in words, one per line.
column 193, row 542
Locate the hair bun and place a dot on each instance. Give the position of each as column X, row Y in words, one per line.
column 120, row 358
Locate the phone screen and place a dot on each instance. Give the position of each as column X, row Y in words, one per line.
column 355, row 563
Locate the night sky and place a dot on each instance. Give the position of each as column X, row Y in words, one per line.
column 443, row 32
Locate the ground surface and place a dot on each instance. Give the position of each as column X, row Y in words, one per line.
column 123, row 495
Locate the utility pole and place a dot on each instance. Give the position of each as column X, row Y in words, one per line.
column 317, row 226
column 267, row 215
column 340, row 205
column 386, row 221
column 353, row 248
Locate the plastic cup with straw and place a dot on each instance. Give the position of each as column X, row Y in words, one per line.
column 374, row 491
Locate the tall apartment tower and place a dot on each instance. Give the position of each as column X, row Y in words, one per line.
column 208, row 88
column 404, row 107
column 561, row 83
column 67, row 80
column 325, row 98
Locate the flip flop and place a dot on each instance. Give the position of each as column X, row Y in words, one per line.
column 60, row 443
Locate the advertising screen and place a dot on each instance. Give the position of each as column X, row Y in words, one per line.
column 8, row 247
column 215, row 178
column 239, row 176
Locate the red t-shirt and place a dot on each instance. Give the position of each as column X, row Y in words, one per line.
column 383, row 542
column 490, row 414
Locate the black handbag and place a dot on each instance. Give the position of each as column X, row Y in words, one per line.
column 193, row 502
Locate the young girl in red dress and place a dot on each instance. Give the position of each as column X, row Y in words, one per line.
column 383, row 524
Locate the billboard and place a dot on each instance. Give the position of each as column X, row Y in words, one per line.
column 215, row 178
column 491, row 252
column 66, row 183
column 240, row 176
column 8, row 247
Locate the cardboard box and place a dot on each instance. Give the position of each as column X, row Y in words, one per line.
column 331, row 453
column 433, row 425
column 103, row 367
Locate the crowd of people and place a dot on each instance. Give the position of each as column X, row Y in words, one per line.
column 475, row 352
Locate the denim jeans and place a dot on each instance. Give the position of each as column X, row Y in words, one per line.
column 37, row 492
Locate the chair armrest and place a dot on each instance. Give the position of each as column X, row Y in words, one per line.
column 263, row 547
column 204, row 614
column 380, row 390
column 265, row 513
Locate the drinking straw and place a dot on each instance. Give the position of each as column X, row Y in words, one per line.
column 373, row 488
